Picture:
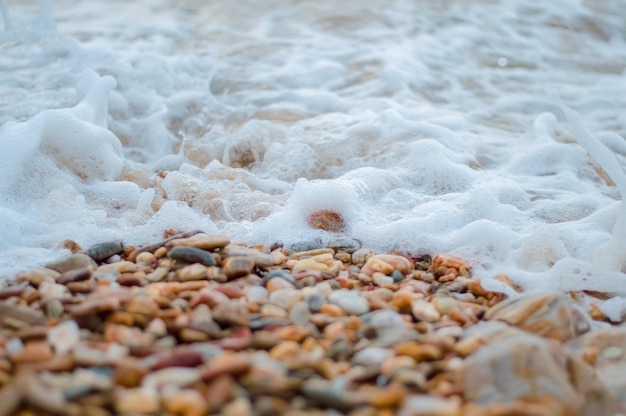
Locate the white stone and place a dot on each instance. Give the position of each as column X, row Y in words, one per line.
column 64, row 337
column 424, row 311
column 351, row 302
column 422, row 405
column 371, row 356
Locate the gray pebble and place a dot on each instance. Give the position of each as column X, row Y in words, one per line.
column 102, row 251
column 349, row 245
column 192, row 255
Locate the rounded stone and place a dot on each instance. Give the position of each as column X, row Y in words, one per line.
column 73, row 262
column 102, row 251
column 349, row 245
column 351, row 302
column 239, row 266
column 192, row 255
column 327, row 220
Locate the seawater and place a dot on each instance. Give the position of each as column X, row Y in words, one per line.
column 431, row 126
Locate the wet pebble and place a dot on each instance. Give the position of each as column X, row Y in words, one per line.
column 192, row 255
column 349, row 245
column 351, row 302
column 239, row 266
column 102, row 251
column 73, row 262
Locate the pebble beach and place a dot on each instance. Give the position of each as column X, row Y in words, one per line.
column 197, row 324
column 394, row 207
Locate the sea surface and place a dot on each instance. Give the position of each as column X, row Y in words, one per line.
column 430, row 126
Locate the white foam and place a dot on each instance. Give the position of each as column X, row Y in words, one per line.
column 430, row 128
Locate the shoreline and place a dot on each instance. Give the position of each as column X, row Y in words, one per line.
column 197, row 325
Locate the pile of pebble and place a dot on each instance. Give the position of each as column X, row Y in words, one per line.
column 198, row 325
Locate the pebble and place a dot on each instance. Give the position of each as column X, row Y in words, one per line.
column 192, row 272
column 304, row 246
column 102, row 251
column 549, row 315
column 192, row 255
column 423, row 405
column 64, row 337
column 351, row 302
column 201, row 241
column 371, row 356
column 315, row 301
column 170, row 376
column 424, row 311
column 300, row 314
column 73, row 262
column 232, row 313
column 349, row 245
column 137, row 400
column 185, row 402
column 327, row 220
column 235, row 267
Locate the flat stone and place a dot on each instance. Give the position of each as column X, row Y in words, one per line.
column 549, row 315
column 94, row 306
column 12, row 290
column 73, row 262
column 332, row 394
column 261, row 260
column 424, row 405
column 285, row 298
column 34, row 351
column 192, row 255
column 304, row 246
column 232, row 313
column 227, row 363
column 76, row 275
column 201, row 241
column 239, row 266
column 531, row 369
column 608, row 346
column 371, row 356
column 137, row 400
column 187, row 402
column 349, row 245
column 26, row 315
column 64, row 337
column 299, row 313
column 171, row 376
column 102, row 251
column 178, row 358
column 423, row 310
column 351, row 302
column 192, row 272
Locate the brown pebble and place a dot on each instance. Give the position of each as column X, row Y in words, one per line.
column 239, row 266
column 231, row 313
column 192, row 335
column 129, row 372
column 332, row 310
column 186, row 402
column 327, row 220
column 22, row 314
column 34, row 351
column 390, row 396
column 94, row 306
column 227, row 363
column 220, row 390
column 178, row 358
